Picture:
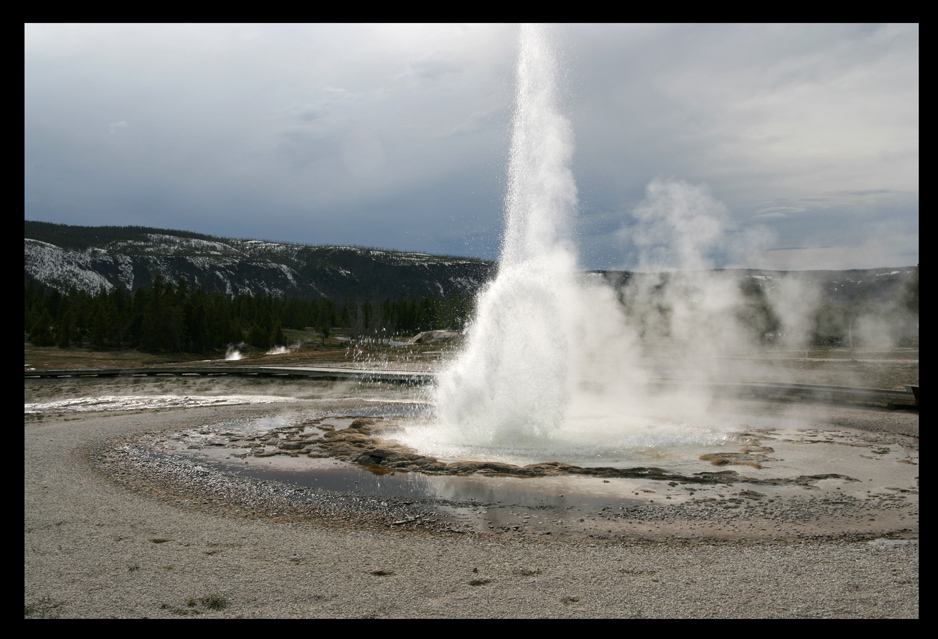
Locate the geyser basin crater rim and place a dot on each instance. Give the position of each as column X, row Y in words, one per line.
column 810, row 481
column 780, row 452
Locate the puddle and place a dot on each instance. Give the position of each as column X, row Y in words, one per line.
column 327, row 474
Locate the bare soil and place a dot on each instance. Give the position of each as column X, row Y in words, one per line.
column 146, row 539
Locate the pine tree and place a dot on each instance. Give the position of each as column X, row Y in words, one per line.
column 41, row 332
column 98, row 326
column 278, row 338
column 258, row 337
column 63, row 330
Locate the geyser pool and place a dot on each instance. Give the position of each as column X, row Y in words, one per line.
column 773, row 475
column 580, row 439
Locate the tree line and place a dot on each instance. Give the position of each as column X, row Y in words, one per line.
column 168, row 317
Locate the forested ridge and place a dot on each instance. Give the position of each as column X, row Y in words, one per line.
column 86, row 258
column 161, row 290
column 176, row 317
column 84, row 237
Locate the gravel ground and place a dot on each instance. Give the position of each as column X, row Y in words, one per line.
column 122, row 545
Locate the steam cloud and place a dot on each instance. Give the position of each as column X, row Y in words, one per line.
column 565, row 363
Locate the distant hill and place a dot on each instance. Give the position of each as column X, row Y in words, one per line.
column 89, row 258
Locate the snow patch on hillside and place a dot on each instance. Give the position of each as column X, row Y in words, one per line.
column 64, row 267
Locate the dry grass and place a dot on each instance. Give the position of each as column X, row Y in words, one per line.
column 42, row 357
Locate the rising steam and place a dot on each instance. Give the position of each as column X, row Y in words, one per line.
column 565, row 363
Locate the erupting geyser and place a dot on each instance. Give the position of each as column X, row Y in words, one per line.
column 512, row 380
column 528, row 347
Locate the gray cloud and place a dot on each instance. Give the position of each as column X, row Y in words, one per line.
column 398, row 134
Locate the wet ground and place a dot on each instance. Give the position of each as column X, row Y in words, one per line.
column 823, row 473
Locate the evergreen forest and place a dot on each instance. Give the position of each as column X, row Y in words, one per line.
column 177, row 317
column 168, row 317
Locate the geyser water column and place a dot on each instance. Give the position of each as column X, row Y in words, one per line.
column 513, row 380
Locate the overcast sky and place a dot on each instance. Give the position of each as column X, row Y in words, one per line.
column 396, row 136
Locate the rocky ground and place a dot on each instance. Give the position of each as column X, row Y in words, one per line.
column 118, row 525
